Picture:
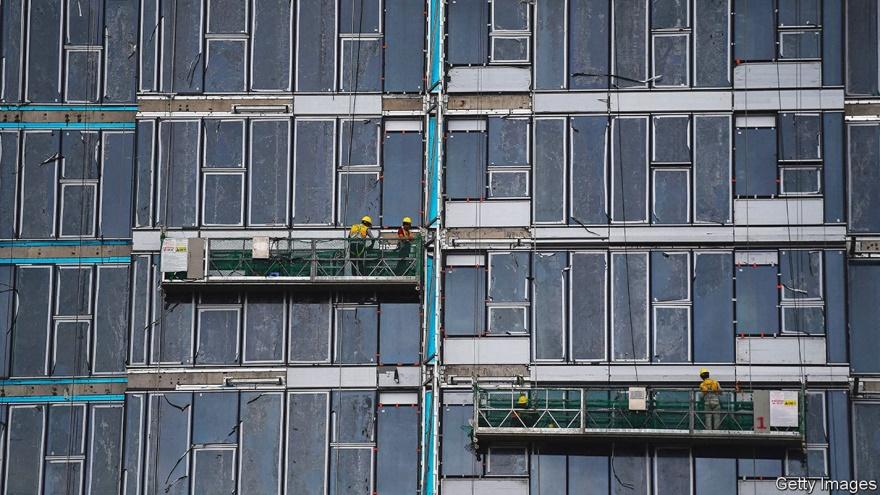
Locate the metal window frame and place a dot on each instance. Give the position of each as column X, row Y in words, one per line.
column 508, row 170
column 508, row 306
column 370, row 38
column 783, row 33
column 331, row 327
column 56, row 292
column 248, row 167
column 688, row 194
column 614, row 172
column 284, row 326
column 690, row 139
column 606, row 324
column 91, row 228
column 566, row 165
column 335, row 333
column 245, row 50
column 213, row 448
column 101, row 70
column 85, row 432
column 647, row 357
column 90, row 452
column 204, row 183
column 155, row 349
column 293, row 169
column 656, row 83
column 94, row 329
column 54, row 229
column 518, row 447
column 341, row 137
column 818, row 171
column 656, row 476
column 802, row 300
column 244, row 31
column 199, row 311
column 690, row 329
column 493, row 59
column 327, row 432
column 87, row 346
column 204, row 144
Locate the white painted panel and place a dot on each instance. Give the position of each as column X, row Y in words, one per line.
column 768, row 487
column 403, row 125
column 484, row 486
column 486, row 79
column 466, row 125
column 146, row 241
column 657, row 234
column 458, row 398
column 569, row 102
column 781, row 350
column 465, row 260
column 405, row 376
column 398, row 398
column 781, row 75
column 672, row 101
column 756, row 121
column 756, row 258
column 487, row 350
column 791, row 211
column 689, row 375
column 331, row 376
column 488, row 214
column 808, row 99
column 364, row 104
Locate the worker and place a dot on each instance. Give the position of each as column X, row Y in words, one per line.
column 405, row 237
column 358, row 234
column 711, row 392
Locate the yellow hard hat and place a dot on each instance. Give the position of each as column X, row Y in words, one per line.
column 367, row 219
column 407, row 220
column 704, row 371
column 522, row 399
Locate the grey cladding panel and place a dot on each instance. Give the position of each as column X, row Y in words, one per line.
column 629, row 318
column 756, row 300
column 7, row 311
column 10, row 50
column 82, row 81
column 357, row 16
column 25, row 431
column 866, row 446
column 44, row 62
column 179, row 154
column 81, row 154
column 215, row 418
column 85, row 22
column 402, row 174
column 260, row 446
column 354, row 416
column 117, row 173
column 122, row 42
column 350, row 471
column 671, row 335
column 548, row 300
column 465, row 289
column 399, row 333
column 264, row 328
column 316, row 45
column 672, row 141
column 631, row 469
column 670, row 276
column 711, row 43
column 185, row 56
column 227, row 16
column 835, row 306
column 72, row 336
column 134, row 432
column 271, row 39
column 359, row 194
column 314, row 170
column 65, row 435
column 78, row 210
column 670, row 197
column 508, row 277
column 548, row 473
column 218, row 337
column 549, row 170
column 307, row 444
column 404, row 42
column 800, row 136
column 167, row 442
column 671, row 60
column 588, row 303
column 214, row 471
column 715, row 476
column 224, row 143
column 269, row 159
column 8, row 182
column 140, row 309
column 756, row 167
column 832, row 168
column 309, row 331
column 456, row 459
column 630, row 41
column 143, row 178
column 508, row 141
column 366, row 57
column 62, row 476
column 713, row 307
column 225, row 68
column 864, row 173
column 588, row 38
column 466, row 165
column 111, row 318
column 861, row 52
column 588, row 162
column 30, row 335
column 172, row 336
column 398, row 450
column 105, row 449
column 550, row 45
column 673, row 470
column 467, row 32
column 754, row 30
column 149, row 40
column 629, row 169
column 712, row 169
column 222, row 199
column 357, row 335
column 832, row 43
column 41, row 163
column 864, row 313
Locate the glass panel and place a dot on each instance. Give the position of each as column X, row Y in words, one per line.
column 670, row 205
column 861, row 32
column 510, row 15
column 508, row 276
column 550, row 52
column 629, row 296
column 712, row 169
column 306, row 443
column 215, row 418
column 313, row 175
column 66, row 430
column 309, row 331
column 588, row 38
column 78, row 209
column 508, row 141
column 82, row 83
column 81, row 154
column 465, row 165
column 260, row 446
column 630, row 43
column 671, row 335
column 864, row 313
column 670, row 276
column 510, row 49
column 713, row 307
column 711, row 43
column 756, row 301
column 756, row 162
column 167, row 442
column 269, row 165
column 366, row 55
column 508, row 184
column 800, row 181
column 178, row 152
column 353, row 416
column 465, row 290
column 629, row 169
column 316, row 45
column 866, row 417
column 224, row 71
column 672, row 141
column 667, row 14
column 63, row 476
column 714, row 476
column 224, row 143
column 359, row 16
column 507, row 461
column 227, row 17
column 172, row 335
column 397, row 453
column 351, row 471
column 631, row 469
column 264, row 328
column 835, row 306
column 218, row 336
column 43, row 53
column 184, row 69
column 800, row 45
column 214, row 471
column 799, row 13
column 111, row 319
column 549, row 170
column 548, row 474
column 508, row 320
column 467, row 31
column 222, row 200
column 40, row 167
column 399, row 333
column 457, row 455
column 404, row 40
column 864, row 163
column 801, row 274
column 588, row 294
column 673, row 467
column 671, row 60
column 548, row 298
column 754, row 29
column 588, row 149
column 356, row 335
column 115, row 218
column 105, row 450
column 71, row 348
column 31, row 331
column 271, row 39
column 832, row 167
column 74, row 291
column 402, row 177
column 800, row 136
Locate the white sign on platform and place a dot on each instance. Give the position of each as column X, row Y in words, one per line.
column 174, row 255
column 783, row 408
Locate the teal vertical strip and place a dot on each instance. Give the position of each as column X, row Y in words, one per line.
column 428, row 443
column 433, row 173
column 435, row 46
column 431, row 308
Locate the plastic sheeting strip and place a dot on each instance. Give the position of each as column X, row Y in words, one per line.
column 60, row 381
column 67, row 125
column 64, row 242
column 63, row 398
column 64, row 261
column 69, row 108
column 431, row 308
column 428, row 443
column 433, row 173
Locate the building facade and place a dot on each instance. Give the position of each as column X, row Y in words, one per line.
column 609, row 195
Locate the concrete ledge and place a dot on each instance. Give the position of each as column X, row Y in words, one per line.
column 487, row 350
column 688, row 374
column 332, row 376
column 484, row 486
column 800, row 100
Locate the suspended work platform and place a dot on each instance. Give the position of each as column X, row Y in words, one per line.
column 757, row 417
column 286, row 261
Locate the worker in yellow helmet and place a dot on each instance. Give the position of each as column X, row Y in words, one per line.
column 711, row 394
column 358, row 234
column 405, row 264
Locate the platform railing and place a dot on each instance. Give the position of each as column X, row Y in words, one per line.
column 310, row 260
column 592, row 411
